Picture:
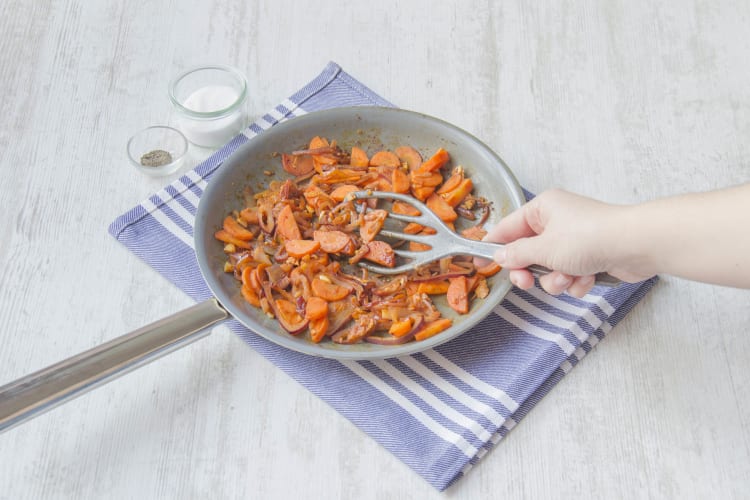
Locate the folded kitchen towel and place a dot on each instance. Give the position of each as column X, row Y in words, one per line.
column 438, row 411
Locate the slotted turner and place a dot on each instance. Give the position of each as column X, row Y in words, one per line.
column 444, row 243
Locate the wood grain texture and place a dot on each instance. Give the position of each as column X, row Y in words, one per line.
column 625, row 101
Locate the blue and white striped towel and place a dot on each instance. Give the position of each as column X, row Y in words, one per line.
column 439, row 411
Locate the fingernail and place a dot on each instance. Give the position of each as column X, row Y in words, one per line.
column 563, row 281
column 500, row 256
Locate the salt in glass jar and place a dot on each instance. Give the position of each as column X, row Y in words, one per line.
column 211, row 104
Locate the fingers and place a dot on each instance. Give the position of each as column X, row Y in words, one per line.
column 523, row 252
column 554, row 283
column 581, row 286
column 521, row 278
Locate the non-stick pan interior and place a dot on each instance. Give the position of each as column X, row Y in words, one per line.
column 371, row 128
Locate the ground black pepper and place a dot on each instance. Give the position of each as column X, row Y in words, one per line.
column 156, row 158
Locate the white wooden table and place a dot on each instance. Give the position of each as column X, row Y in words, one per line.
column 624, row 101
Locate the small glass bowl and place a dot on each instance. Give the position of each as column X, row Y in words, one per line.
column 211, row 104
column 154, row 138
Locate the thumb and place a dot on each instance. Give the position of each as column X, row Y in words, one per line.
column 522, row 253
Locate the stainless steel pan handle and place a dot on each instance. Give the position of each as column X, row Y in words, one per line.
column 41, row 391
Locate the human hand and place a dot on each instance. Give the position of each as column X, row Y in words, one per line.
column 574, row 236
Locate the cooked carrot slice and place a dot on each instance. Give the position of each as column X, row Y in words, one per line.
column 400, row 181
column 359, row 158
column 340, row 192
column 250, row 296
column 436, row 161
column 474, row 233
column 318, row 328
column 245, row 277
column 318, row 142
column 458, row 294
column 328, row 291
column 334, row 241
column 433, row 328
column 433, row 287
column 316, row 308
column 457, row 195
column 413, row 228
column 223, row 235
column 235, row 229
column 286, row 225
column 425, row 179
column 441, row 208
column 300, row 248
column 490, row 269
column 250, row 215
column 401, row 328
column 410, row 156
column 381, row 253
column 452, row 182
column 385, row 159
column 399, row 207
column 422, row 193
column 297, row 165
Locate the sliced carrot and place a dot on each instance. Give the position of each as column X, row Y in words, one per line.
column 334, row 241
column 328, row 291
column 245, row 277
column 413, row 228
column 286, row 225
column 340, row 192
column 290, row 319
column 250, row 296
column 474, row 233
column 452, row 182
column 298, row 164
column 399, row 207
column 385, row 159
column 400, row 181
column 223, row 235
column 401, row 328
column 425, row 179
column 433, row 287
column 410, row 156
column 381, row 253
column 441, row 208
column 433, row 328
column 318, row 328
column 436, row 161
column 318, row 142
column 458, row 294
column 418, row 247
column 359, row 158
column 490, row 269
column 316, row 308
column 422, row 193
column 457, row 195
column 300, row 248
column 249, row 215
column 235, row 229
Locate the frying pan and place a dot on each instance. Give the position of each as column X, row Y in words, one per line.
column 372, row 128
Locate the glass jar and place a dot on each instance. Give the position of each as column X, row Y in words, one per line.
column 211, row 104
